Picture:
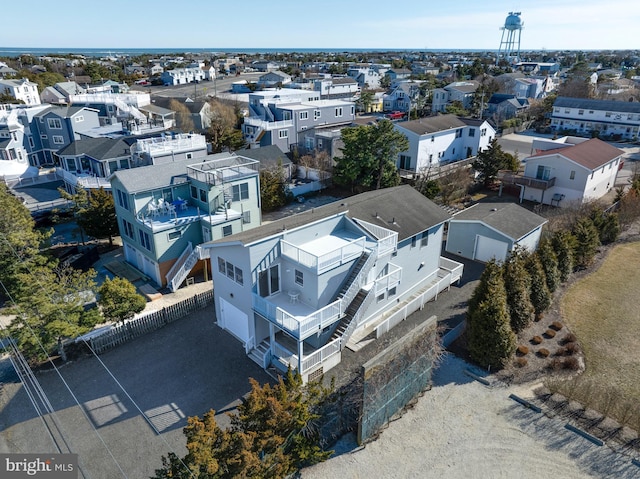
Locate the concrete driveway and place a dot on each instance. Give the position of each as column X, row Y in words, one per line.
column 181, row 370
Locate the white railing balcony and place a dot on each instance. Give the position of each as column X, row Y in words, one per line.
column 321, row 355
column 268, row 125
column 300, row 327
column 387, row 239
column 389, row 280
column 326, row 261
column 284, row 354
column 451, row 266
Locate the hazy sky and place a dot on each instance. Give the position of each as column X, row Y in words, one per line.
column 425, row 24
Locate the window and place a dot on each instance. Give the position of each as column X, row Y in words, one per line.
column 543, row 173
column 424, row 241
column 58, row 140
column 203, row 196
column 572, row 176
column 304, row 115
column 123, row 200
column 239, row 278
column 608, row 114
column 227, row 230
column 316, row 114
column 339, row 111
column 483, row 132
column 353, row 110
column 240, row 192
column 246, row 217
column 174, row 235
column 269, row 281
column 433, row 139
column 414, row 240
column 194, row 192
column 380, row 297
column 54, row 123
column 78, row 119
column 319, row 143
column 405, row 162
column 145, row 241
column 222, row 265
column 472, row 132
column 31, row 144
column 299, row 278
column 127, row 229
column 43, row 137
column 230, row 271
column 309, row 143
column 566, row 111
column 458, row 133
column 391, row 292
column 189, row 156
column 590, row 112
column 580, row 112
column 283, row 133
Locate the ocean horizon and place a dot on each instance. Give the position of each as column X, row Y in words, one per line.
column 103, row 52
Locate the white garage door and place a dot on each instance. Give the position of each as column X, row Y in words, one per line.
column 488, row 248
column 234, row 320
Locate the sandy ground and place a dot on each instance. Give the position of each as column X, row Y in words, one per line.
column 462, row 428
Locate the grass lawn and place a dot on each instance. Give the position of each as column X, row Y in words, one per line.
column 603, row 311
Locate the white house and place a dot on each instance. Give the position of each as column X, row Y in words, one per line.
column 575, row 172
column 21, row 90
column 462, row 91
column 441, row 139
column 607, row 117
column 491, row 230
column 181, row 76
column 299, row 290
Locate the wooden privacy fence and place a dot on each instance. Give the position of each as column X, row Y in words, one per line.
column 147, row 323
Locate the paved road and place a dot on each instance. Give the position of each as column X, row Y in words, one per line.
column 181, row 370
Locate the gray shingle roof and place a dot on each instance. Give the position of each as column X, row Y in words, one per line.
column 267, row 155
column 98, row 148
column 510, row 219
column 603, row 105
column 432, row 124
column 401, row 209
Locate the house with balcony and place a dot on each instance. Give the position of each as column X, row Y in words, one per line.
column 88, row 163
column 14, row 158
column 182, row 76
column 573, row 172
column 602, row 117
column 278, row 117
column 439, row 140
column 336, row 88
column 166, row 211
column 168, row 148
column 401, row 96
column 297, row 291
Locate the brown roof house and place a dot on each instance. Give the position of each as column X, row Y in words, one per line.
column 582, row 171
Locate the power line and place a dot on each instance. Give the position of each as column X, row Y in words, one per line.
column 122, row 388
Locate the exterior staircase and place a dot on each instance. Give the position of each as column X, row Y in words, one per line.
column 355, row 271
column 351, row 311
column 260, row 353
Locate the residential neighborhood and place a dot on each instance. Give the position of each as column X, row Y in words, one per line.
column 288, row 256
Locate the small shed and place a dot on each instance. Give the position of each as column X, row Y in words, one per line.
column 491, row 230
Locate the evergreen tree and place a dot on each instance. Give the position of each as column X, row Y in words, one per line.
column 490, row 340
column 516, row 280
column 563, row 246
column 119, row 300
column 490, row 161
column 587, row 242
column 97, row 216
column 540, row 294
column 49, row 307
column 274, row 190
column 549, row 263
column 369, row 156
column 607, row 225
column 271, row 436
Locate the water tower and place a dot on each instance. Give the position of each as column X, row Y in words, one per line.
column 510, row 41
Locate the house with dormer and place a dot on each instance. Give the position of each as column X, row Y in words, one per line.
column 461, row 91
column 296, row 292
column 22, row 89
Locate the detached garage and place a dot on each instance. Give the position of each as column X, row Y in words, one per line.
column 491, row 230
